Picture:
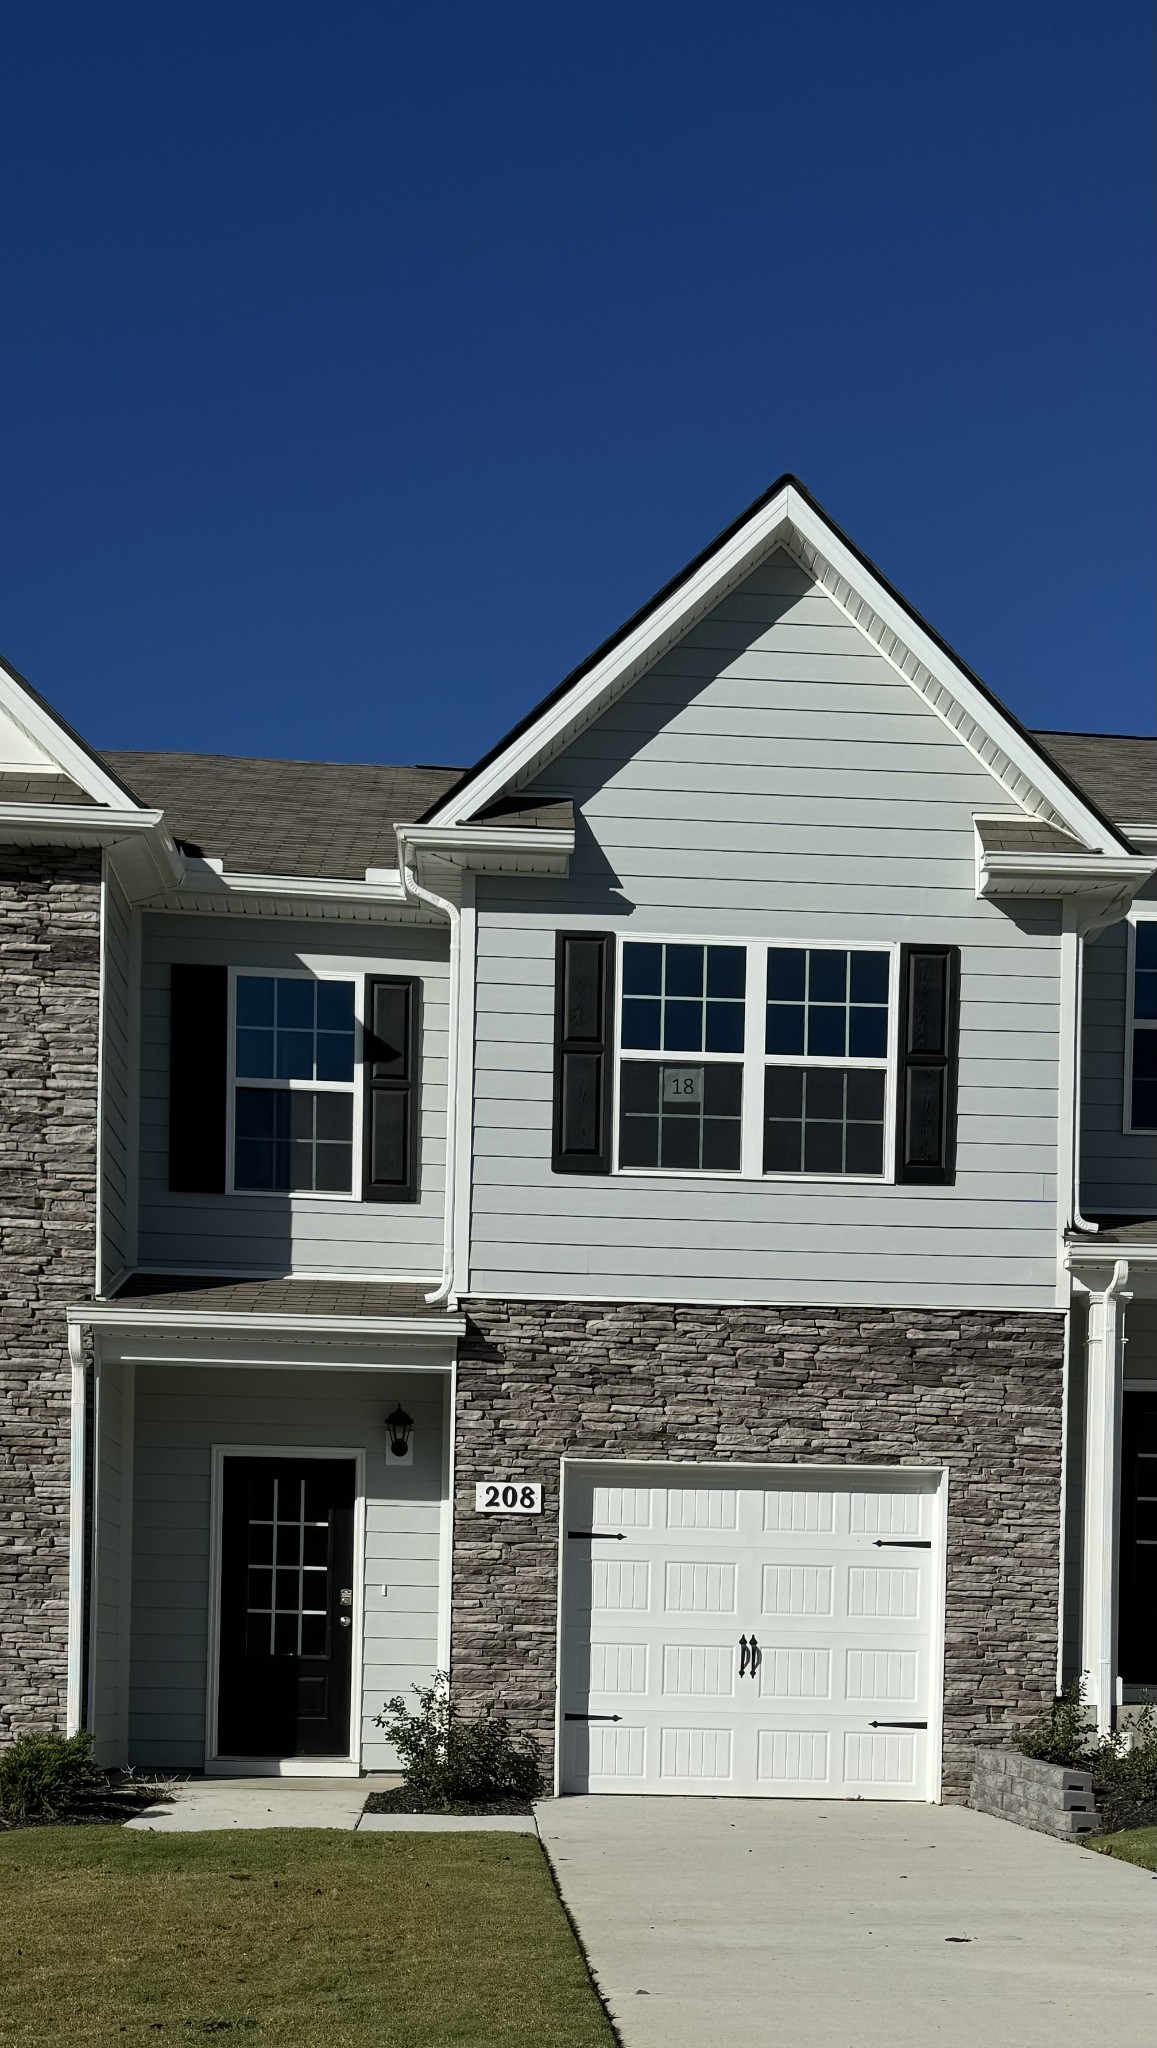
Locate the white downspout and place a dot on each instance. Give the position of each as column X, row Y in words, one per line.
column 1072, row 984
column 443, row 1294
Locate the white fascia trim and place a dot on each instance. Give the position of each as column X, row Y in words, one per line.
column 1109, row 1251
column 978, row 723
column 1061, row 874
column 113, row 1318
column 46, row 732
column 625, row 662
column 93, row 825
column 470, row 846
column 972, row 716
column 208, row 879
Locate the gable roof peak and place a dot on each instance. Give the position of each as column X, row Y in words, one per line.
column 787, row 515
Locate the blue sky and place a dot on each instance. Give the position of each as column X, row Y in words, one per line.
column 362, row 367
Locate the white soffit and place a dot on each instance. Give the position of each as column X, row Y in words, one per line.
column 34, row 741
column 788, row 520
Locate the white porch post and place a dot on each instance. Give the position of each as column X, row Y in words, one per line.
column 76, row 1535
column 1104, row 1376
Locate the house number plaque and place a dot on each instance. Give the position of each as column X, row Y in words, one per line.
column 507, row 1497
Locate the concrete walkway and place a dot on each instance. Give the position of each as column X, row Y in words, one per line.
column 770, row 1923
column 200, row 1804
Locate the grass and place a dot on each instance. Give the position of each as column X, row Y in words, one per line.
column 1132, row 1845
column 293, row 1937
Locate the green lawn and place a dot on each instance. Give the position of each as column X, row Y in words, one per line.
column 1132, row 1845
column 304, row 1937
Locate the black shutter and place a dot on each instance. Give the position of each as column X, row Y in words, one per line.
column 198, row 1064
column 583, row 1037
column 390, row 1171
column 929, row 1030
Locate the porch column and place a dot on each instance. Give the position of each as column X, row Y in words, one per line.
column 76, row 1533
column 1104, row 1376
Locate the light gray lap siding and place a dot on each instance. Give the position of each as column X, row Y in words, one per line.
column 772, row 778
column 1118, row 1167
column 180, row 1414
column 283, row 1233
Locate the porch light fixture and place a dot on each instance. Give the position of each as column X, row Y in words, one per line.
column 401, row 1428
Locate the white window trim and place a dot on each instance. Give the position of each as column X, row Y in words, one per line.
column 1139, row 913
column 352, row 1088
column 754, row 1061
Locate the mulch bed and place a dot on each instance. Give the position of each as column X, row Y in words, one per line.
column 1122, row 1810
column 112, row 1811
column 399, row 1800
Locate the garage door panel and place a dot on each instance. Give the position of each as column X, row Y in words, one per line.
column 795, row 1674
column 798, row 1759
column 754, row 1638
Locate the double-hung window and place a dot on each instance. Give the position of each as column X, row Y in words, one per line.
column 825, row 1093
column 756, row 1059
column 292, row 1083
column 1142, row 1053
column 682, row 1038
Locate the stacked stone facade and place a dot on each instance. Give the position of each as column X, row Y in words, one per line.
column 974, row 1391
column 49, row 993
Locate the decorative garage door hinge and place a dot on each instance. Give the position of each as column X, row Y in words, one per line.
column 599, row 1535
column 592, row 1717
column 902, row 1543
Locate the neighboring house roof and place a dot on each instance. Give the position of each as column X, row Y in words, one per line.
column 1118, row 770
column 321, row 818
column 41, row 789
column 167, row 1292
column 786, row 515
column 46, row 745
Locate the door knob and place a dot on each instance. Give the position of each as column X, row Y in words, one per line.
column 344, row 1621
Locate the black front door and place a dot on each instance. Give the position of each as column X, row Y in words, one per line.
column 1137, row 1632
column 287, row 1608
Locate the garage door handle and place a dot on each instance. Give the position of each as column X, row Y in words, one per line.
column 902, row 1543
column 744, row 1654
column 756, row 1656
column 897, row 1724
column 599, row 1535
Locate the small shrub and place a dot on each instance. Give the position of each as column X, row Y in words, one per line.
column 450, row 1761
column 48, row 1777
column 1064, row 1735
column 1124, row 1767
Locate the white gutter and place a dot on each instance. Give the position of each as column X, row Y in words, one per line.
column 141, row 1317
column 443, row 1294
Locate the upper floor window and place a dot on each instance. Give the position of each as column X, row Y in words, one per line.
column 827, row 1060
column 1143, row 1020
column 682, row 1114
column 293, row 1093
column 753, row 1059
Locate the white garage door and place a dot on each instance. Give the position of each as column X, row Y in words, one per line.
column 765, row 1633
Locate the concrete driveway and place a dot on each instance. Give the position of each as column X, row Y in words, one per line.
column 726, row 1923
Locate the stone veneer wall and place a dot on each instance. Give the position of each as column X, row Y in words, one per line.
column 49, row 993
column 977, row 1392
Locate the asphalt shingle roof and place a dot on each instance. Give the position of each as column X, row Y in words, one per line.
column 167, row 1291
column 323, row 818
column 335, row 820
column 1118, row 770
column 40, row 789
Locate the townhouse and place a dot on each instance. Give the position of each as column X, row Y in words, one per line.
column 660, row 1223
